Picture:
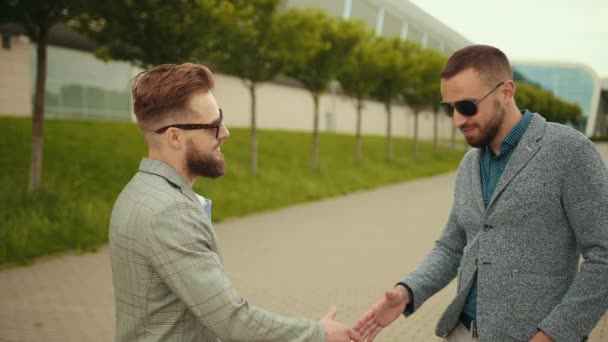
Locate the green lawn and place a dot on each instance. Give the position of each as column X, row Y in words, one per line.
column 87, row 163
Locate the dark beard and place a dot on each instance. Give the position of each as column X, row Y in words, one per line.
column 491, row 128
column 204, row 165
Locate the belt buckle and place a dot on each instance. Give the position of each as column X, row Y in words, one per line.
column 474, row 333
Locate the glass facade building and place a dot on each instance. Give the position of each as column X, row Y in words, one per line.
column 572, row 82
column 393, row 18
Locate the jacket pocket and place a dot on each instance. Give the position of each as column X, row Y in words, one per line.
column 531, row 298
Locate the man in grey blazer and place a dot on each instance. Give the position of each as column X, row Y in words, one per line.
column 167, row 271
column 530, row 200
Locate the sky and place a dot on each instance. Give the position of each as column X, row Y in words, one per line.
column 573, row 31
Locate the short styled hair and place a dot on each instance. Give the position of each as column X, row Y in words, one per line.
column 165, row 90
column 491, row 63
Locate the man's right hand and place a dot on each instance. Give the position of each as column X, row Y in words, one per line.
column 382, row 313
column 336, row 331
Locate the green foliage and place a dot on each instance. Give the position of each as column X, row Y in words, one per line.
column 336, row 38
column 88, row 163
column 551, row 107
column 396, row 68
column 320, row 62
column 151, row 32
column 257, row 46
column 424, row 90
column 36, row 16
column 360, row 75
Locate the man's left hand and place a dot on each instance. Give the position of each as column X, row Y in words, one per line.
column 541, row 337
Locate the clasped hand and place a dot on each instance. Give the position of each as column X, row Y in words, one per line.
column 382, row 313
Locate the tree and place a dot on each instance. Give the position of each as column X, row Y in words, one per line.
column 524, row 95
column 257, row 48
column 423, row 92
column 337, row 39
column 553, row 108
column 360, row 77
column 412, row 96
column 434, row 63
column 38, row 17
column 453, row 139
column 152, row 32
column 395, row 71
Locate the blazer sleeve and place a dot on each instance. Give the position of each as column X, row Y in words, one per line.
column 441, row 264
column 585, row 201
column 183, row 254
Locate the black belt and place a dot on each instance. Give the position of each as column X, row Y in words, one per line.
column 470, row 324
column 466, row 321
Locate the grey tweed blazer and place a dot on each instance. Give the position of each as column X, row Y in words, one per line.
column 167, row 271
column 549, row 208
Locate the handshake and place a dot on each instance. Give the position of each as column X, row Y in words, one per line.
column 382, row 313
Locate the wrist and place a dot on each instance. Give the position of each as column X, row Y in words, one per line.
column 543, row 336
column 403, row 291
column 409, row 299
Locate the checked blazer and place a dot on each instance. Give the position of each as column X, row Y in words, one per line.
column 167, row 271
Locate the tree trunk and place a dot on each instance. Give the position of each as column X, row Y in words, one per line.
column 254, row 133
column 38, row 117
column 389, row 129
column 315, row 133
column 435, row 131
column 415, row 142
column 358, row 133
column 453, row 140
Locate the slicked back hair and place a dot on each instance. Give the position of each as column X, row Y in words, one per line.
column 166, row 89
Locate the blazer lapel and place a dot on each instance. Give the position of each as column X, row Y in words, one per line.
column 476, row 181
column 527, row 147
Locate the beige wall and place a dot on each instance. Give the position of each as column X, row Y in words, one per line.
column 279, row 106
column 286, row 107
column 15, row 78
column 603, row 148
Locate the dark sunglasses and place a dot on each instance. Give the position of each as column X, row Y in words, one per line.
column 188, row 127
column 465, row 107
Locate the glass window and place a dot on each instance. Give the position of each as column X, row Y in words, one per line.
column 82, row 86
column 569, row 83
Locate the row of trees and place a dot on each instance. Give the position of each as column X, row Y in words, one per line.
column 255, row 40
column 543, row 101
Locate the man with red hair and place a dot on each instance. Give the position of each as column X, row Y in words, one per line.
column 168, row 276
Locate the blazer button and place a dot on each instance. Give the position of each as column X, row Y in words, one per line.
column 486, row 227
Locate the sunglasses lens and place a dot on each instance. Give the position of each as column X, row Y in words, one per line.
column 467, row 108
column 447, row 108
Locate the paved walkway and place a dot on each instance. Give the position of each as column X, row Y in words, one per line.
column 296, row 261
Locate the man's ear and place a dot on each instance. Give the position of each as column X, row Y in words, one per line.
column 174, row 138
column 508, row 90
